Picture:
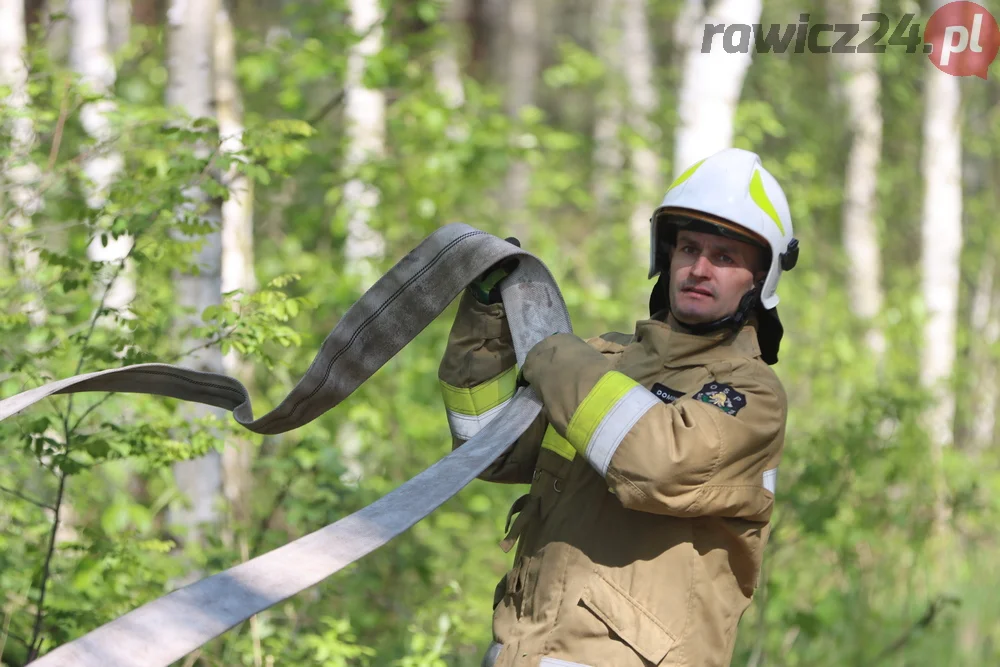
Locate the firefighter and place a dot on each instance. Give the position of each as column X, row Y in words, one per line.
column 653, row 465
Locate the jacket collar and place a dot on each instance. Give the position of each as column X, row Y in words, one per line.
column 671, row 342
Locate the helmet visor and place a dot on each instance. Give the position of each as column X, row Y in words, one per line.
column 669, row 220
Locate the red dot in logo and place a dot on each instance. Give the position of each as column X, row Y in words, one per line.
column 965, row 39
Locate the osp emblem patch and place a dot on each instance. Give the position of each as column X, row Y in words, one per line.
column 722, row 396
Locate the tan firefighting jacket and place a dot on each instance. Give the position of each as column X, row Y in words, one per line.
column 652, row 469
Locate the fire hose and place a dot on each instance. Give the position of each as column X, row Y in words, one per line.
column 387, row 317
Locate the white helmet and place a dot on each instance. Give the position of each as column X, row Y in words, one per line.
column 733, row 192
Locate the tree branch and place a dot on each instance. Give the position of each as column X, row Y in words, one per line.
column 58, row 134
column 7, row 634
column 27, row 499
column 36, row 638
column 339, row 96
column 94, row 406
column 174, row 359
column 118, row 271
column 36, row 634
column 327, row 108
column 4, row 633
column 933, row 609
column 201, row 346
column 34, row 645
column 262, row 526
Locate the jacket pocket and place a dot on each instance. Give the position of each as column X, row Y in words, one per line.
column 634, row 624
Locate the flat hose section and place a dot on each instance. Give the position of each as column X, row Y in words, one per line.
column 387, row 317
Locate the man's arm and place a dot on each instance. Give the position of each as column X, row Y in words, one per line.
column 713, row 453
column 478, row 373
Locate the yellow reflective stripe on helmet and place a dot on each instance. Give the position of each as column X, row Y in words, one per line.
column 686, row 175
column 759, row 195
column 483, row 397
column 606, row 416
column 558, row 444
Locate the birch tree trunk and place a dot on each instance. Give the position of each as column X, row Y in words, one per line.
column 190, row 87
column 496, row 37
column 609, row 155
column 20, row 173
column 860, row 232
column 56, row 24
column 941, row 230
column 90, row 58
column 364, row 111
column 447, row 65
column 119, row 23
column 523, row 68
column 985, row 322
column 638, row 61
column 237, row 242
column 711, row 82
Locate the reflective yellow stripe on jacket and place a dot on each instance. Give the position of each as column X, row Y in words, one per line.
column 606, row 415
column 558, row 444
column 469, row 410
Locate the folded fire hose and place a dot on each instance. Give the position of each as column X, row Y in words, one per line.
column 387, row 317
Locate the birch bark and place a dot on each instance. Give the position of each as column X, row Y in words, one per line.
column 91, row 59
column 523, row 67
column 21, row 174
column 941, row 239
column 862, row 90
column 447, row 67
column 364, row 111
column 941, row 232
column 119, row 23
column 237, row 242
column 190, row 86
column 985, row 323
column 711, row 82
column 609, row 154
column 638, row 68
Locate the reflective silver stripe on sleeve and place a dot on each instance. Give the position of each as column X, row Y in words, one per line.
column 555, row 662
column 467, row 426
column 492, row 653
column 616, row 424
column 771, row 479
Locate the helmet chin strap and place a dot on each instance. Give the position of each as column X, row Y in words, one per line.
column 733, row 322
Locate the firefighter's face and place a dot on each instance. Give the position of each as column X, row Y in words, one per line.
column 709, row 274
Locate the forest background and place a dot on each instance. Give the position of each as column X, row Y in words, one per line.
column 293, row 150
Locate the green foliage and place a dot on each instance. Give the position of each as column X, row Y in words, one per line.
column 853, row 574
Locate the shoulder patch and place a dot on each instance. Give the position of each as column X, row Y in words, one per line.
column 666, row 394
column 722, row 396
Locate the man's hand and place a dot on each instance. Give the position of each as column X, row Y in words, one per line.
column 485, row 288
column 557, row 353
column 562, row 368
column 551, row 353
